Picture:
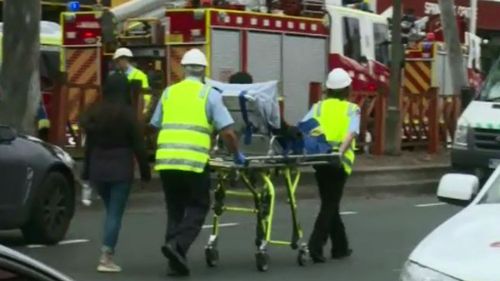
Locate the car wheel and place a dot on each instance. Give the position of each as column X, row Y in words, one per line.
column 51, row 211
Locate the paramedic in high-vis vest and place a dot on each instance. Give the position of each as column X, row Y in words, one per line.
column 122, row 58
column 338, row 120
column 187, row 115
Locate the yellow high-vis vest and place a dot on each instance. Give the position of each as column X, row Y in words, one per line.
column 137, row 74
column 333, row 116
column 185, row 137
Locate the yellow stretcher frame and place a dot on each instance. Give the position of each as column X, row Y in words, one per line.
column 264, row 197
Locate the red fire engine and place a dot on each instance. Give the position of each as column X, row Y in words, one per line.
column 293, row 50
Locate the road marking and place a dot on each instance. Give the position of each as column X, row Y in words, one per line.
column 75, row 241
column 346, row 213
column 209, row 226
column 34, row 246
column 65, row 242
column 430, row 205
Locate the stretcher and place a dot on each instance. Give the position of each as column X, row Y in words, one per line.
column 255, row 111
column 259, row 175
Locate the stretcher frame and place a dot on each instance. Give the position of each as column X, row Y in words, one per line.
column 264, row 197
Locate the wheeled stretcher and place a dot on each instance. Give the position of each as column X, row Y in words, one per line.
column 255, row 110
column 259, row 175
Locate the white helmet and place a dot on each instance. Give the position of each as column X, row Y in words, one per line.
column 338, row 78
column 194, row 57
column 123, row 52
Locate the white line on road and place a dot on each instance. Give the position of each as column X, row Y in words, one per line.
column 430, row 205
column 75, row 241
column 65, row 242
column 34, row 246
column 346, row 213
column 208, row 226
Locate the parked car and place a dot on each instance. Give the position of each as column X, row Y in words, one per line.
column 37, row 191
column 467, row 246
column 15, row 266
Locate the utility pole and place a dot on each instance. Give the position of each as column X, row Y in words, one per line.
column 473, row 16
column 20, row 79
column 453, row 46
column 393, row 125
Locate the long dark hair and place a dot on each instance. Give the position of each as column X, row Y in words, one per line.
column 114, row 112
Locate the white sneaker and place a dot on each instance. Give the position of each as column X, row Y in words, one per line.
column 107, row 265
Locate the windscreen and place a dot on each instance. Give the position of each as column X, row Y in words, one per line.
column 493, row 194
column 491, row 89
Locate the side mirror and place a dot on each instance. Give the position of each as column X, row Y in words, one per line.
column 7, row 134
column 458, row 189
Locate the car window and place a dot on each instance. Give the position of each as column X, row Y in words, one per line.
column 6, row 275
column 493, row 194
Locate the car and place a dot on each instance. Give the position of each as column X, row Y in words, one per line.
column 467, row 246
column 38, row 187
column 15, row 266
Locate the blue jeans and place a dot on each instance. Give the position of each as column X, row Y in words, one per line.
column 115, row 197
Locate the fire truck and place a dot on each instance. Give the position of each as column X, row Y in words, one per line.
column 296, row 50
column 293, row 50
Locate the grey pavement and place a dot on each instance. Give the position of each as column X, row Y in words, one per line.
column 383, row 230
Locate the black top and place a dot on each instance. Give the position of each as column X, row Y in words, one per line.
column 113, row 138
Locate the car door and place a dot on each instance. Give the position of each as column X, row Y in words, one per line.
column 14, row 173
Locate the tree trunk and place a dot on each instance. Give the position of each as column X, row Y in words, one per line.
column 453, row 46
column 20, row 79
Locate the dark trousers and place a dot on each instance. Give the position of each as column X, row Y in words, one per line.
column 331, row 181
column 187, row 195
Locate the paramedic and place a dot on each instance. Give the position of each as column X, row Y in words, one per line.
column 339, row 121
column 185, row 115
column 122, row 59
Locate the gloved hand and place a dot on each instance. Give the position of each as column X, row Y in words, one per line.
column 239, row 158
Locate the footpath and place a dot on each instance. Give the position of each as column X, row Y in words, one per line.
column 407, row 174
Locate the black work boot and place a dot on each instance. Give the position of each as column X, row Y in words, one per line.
column 338, row 255
column 177, row 261
column 316, row 254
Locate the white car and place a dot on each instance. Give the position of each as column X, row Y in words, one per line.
column 467, row 246
column 15, row 266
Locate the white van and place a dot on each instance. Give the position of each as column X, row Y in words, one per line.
column 467, row 246
column 476, row 147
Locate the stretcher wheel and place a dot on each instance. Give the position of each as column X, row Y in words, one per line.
column 262, row 259
column 211, row 257
column 303, row 258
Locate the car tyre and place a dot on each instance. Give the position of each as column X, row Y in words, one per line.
column 51, row 211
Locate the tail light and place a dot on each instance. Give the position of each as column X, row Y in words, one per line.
column 89, row 37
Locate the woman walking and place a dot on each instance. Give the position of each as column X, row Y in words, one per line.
column 113, row 139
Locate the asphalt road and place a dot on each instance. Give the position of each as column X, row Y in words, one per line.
column 383, row 231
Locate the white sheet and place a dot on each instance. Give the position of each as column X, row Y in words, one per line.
column 263, row 96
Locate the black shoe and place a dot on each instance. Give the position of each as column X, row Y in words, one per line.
column 317, row 258
column 172, row 272
column 316, row 254
column 177, row 262
column 338, row 255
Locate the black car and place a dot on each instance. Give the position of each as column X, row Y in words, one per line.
column 37, row 187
